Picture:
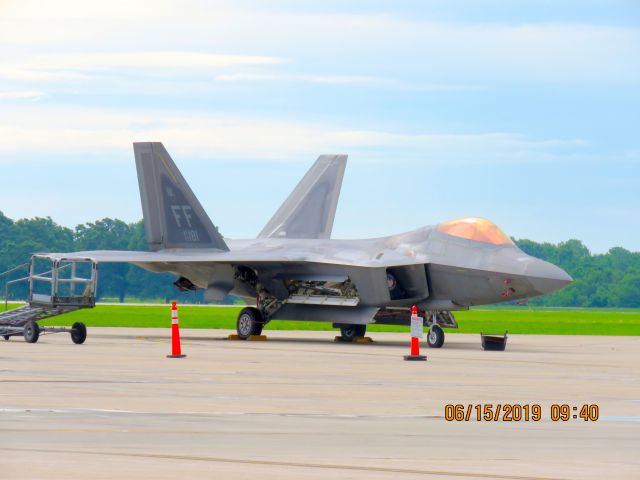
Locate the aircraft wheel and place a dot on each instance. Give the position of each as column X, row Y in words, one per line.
column 31, row 332
column 249, row 323
column 6, row 337
column 435, row 337
column 350, row 332
column 78, row 333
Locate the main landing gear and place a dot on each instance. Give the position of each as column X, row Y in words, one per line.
column 250, row 322
column 349, row 332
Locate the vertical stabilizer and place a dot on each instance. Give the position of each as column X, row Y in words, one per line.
column 173, row 216
column 311, row 208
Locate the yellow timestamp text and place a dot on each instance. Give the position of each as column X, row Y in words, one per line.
column 516, row 412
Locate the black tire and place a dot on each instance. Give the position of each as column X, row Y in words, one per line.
column 349, row 332
column 6, row 337
column 78, row 333
column 250, row 322
column 435, row 336
column 31, row 332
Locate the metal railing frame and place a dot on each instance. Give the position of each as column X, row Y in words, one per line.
column 52, row 277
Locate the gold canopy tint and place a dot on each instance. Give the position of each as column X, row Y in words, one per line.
column 475, row 228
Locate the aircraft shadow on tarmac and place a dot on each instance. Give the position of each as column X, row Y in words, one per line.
column 301, row 340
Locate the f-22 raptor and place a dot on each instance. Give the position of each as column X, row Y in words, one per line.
column 293, row 270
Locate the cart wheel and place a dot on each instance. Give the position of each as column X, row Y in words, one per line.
column 78, row 333
column 31, row 332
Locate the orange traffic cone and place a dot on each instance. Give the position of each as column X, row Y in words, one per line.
column 416, row 333
column 175, row 333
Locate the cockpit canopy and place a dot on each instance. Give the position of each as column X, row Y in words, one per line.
column 475, row 228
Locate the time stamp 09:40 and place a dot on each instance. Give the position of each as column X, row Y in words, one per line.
column 515, row 412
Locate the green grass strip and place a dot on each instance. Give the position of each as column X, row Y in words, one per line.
column 524, row 321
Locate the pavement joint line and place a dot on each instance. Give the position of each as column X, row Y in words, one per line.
column 70, row 411
column 276, row 463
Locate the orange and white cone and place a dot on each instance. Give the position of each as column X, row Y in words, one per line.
column 175, row 333
column 417, row 328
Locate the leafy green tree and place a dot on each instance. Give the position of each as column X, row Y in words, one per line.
column 107, row 234
column 601, row 280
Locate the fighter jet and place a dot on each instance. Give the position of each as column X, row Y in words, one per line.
column 293, row 270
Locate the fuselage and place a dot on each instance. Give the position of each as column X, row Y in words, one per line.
column 439, row 271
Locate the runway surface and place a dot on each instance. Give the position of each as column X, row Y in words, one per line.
column 300, row 406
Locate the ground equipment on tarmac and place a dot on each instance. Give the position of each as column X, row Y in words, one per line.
column 55, row 286
column 493, row 342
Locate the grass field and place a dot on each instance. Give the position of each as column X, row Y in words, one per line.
column 517, row 320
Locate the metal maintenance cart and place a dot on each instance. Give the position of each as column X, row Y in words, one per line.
column 55, row 286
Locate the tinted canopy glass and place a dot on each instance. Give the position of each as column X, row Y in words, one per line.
column 475, row 228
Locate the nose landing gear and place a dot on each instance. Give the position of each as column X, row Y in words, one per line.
column 435, row 337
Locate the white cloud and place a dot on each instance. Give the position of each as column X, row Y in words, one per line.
column 347, row 45
column 32, row 75
column 326, row 79
column 37, row 129
column 20, row 94
column 379, row 82
column 78, row 66
column 147, row 59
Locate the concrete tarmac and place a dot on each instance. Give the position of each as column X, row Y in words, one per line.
column 300, row 406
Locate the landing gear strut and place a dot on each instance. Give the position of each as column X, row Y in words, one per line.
column 250, row 322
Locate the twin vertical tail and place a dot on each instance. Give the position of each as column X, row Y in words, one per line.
column 310, row 209
column 173, row 216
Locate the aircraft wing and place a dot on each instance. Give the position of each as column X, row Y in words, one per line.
column 249, row 257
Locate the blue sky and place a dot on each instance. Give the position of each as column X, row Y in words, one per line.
column 527, row 113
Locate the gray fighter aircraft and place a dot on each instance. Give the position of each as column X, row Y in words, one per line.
column 294, row 271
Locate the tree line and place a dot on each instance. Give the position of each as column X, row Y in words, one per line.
column 611, row 279
column 117, row 281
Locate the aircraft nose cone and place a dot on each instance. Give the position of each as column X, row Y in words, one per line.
column 547, row 277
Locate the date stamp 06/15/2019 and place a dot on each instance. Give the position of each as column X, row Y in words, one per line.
column 516, row 412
